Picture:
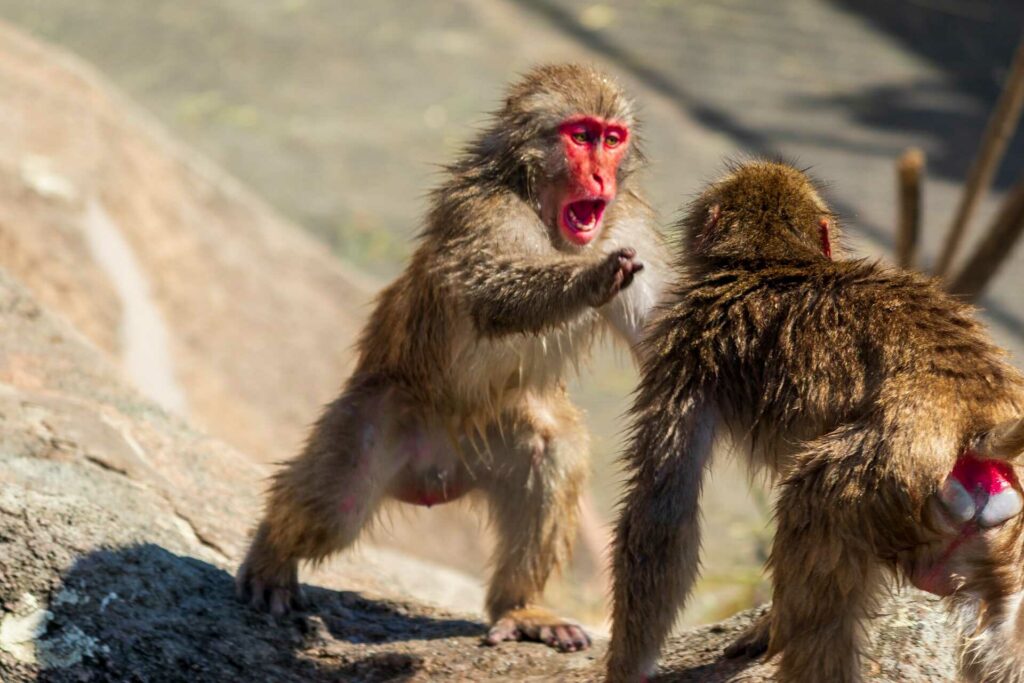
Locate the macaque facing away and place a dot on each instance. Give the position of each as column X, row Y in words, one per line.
column 860, row 388
column 533, row 246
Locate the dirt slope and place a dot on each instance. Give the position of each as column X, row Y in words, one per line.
column 259, row 318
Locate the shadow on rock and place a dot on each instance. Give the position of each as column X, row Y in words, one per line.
column 144, row 613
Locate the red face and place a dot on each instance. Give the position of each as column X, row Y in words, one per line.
column 593, row 150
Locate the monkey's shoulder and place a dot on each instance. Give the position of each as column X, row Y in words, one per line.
column 756, row 307
column 463, row 217
column 820, row 284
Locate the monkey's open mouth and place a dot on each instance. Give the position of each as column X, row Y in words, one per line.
column 582, row 217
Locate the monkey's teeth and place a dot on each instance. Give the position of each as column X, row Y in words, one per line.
column 1001, row 507
column 578, row 222
column 958, row 500
column 584, row 215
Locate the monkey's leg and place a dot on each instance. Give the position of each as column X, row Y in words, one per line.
column 657, row 536
column 533, row 491
column 319, row 502
column 826, row 576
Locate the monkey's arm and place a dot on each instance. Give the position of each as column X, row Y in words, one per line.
column 657, row 538
column 507, row 296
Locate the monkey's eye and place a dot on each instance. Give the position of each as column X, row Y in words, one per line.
column 580, row 136
column 612, row 140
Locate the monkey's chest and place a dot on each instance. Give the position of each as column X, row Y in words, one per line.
column 490, row 370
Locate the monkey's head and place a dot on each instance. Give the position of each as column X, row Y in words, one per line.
column 761, row 211
column 565, row 140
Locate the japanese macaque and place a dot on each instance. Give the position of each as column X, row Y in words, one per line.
column 536, row 243
column 880, row 406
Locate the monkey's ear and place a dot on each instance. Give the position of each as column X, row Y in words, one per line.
column 824, row 225
column 1005, row 441
column 710, row 221
column 714, row 213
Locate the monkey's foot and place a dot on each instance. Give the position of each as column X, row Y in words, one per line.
column 534, row 623
column 275, row 591
column 754, row 641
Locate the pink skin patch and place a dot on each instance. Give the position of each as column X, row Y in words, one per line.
column 984, row 477
column 593, row 150
column 423, row 483
column 979, row 493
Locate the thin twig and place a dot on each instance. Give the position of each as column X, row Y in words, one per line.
column 908, row 179
column 995, row 247
column 997, row 134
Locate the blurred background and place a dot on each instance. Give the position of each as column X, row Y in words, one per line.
column 334, row 117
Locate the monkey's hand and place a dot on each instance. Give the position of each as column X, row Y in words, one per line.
column 978, row 496
column 612, row 275
column 534, row 623
column 266, row 581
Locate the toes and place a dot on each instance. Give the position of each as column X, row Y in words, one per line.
column 265, row 596
column 578, row 638
column 565, row 637
column 257, row 594
column 1000, row 507
column 546, row 635
column 298, row 598
column 756, row 648
column 751, row 648
column 280, row 602
column 562, row 639
column 503, row 629
column 735, row 649
column 242, row 585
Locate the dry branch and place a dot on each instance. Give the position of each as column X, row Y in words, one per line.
column 997, row 136
column 994, row 248
column 908, row 177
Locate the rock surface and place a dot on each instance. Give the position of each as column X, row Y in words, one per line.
column 118, row 524
column 92, row 191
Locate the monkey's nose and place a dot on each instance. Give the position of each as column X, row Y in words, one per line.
column 600, row 183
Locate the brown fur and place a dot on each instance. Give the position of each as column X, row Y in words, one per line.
column 855, row 385
column 459, row 386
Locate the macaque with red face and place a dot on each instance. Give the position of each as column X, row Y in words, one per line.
column 535, row 244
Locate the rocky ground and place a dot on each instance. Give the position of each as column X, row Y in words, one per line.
column 118, row 522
